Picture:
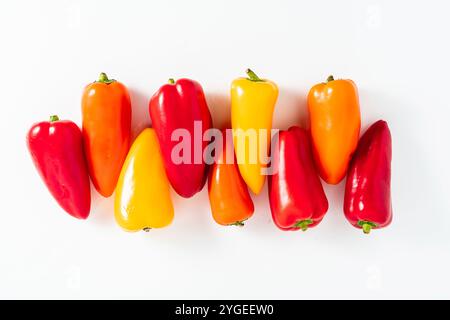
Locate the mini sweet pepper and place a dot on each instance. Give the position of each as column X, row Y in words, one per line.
column 106, row 113
column 367, row 202
column 56, row 148
column 252, row 104
column 180, row 107
column 229, row 198
column 142, row 199
column 335, row 123
column 296, row 195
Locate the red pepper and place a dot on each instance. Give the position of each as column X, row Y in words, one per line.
column 367, row 202
column 296, row 195
column 177, row 105
column 56, row 148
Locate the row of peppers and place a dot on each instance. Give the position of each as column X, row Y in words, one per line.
column 141, row 175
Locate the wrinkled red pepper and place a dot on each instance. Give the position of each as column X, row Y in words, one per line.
column 296, row 195
column 56, row 148
column 367, row 203
column 177, row 105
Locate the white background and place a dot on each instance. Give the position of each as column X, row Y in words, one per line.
column 396, row 51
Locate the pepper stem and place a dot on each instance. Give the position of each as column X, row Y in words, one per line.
column 54, row 118
column 172, row 81
column 303, row 224
column 103, row 78
column 147, row 229
column 330, row 78
column 252, row 76
column 366, row 226
column 237, row 223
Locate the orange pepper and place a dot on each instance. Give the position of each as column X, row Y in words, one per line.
column 335, row 123
column 106, row 111
column 230, row 200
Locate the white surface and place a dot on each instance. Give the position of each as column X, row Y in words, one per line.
column 396, row 51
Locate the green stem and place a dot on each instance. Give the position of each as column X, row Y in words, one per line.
column 54, row 118
column 103, row 78
column 237, row 223
column 172, row 81
column 303, row 224
column 252, row 76
column 330, row 78
column 366, row 226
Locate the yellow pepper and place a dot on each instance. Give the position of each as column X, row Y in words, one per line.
column 143, row 200
column 252, row 104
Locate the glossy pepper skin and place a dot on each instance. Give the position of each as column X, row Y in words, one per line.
column 367, row 202
column 142, row 199
column 229, row 198
column 252, row 104
column 106, row 113
column 179, row 105
column 335, row 124
column 296, row 195
column 56, row 148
